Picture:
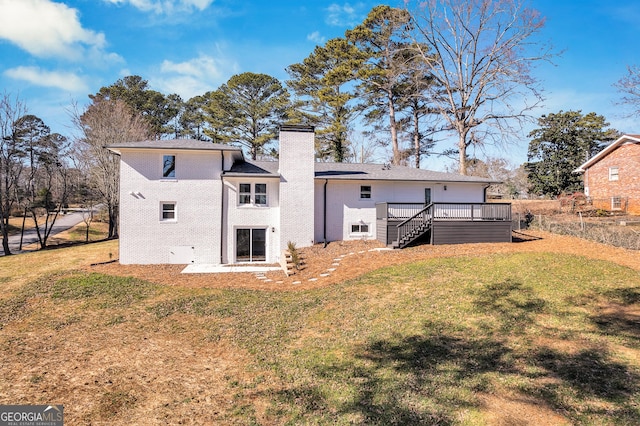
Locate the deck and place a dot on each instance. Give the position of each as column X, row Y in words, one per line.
column 402, row 224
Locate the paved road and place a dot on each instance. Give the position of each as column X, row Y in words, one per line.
column 63, row 222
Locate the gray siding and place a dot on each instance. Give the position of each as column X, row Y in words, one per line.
column 459, row 232
column 387, row 230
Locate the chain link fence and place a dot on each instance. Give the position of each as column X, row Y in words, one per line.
column 619, row 233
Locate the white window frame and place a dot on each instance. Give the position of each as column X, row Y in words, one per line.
column 172, row 175
column 614, row 174
column 365, row 194
column 164, row 210
column 256, row 194
column 360, row 232
column 616, row 203
column 253, row 194
column 243, row 194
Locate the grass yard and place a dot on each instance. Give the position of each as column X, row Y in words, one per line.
column 15, row 224
column 495, row 339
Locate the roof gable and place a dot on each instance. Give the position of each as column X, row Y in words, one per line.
column 624, row 139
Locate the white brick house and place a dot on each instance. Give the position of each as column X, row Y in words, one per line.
column 187, row 201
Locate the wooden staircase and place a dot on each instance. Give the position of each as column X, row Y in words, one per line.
column 414, row 227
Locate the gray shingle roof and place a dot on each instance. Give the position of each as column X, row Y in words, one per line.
column 254, row 168
column 188, row 144
column 356, row 171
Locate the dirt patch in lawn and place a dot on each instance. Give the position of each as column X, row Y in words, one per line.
column 124, row 366
column 343, row 260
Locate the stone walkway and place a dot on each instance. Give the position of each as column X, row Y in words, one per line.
column 260, row 275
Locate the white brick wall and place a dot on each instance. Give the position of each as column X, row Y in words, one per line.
column 344, row 206
column 249, row 216
column 297, row 156
column 202, row 233
column 144, row 238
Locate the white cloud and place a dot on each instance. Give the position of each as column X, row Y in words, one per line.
column 344, row 15
column 193, row 77
column 61, row 80
column 316, row 37
column 46, row 29
column 200, row 67
column 165, row 6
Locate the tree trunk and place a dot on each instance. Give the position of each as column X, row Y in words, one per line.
column 24, row 219
column 462, row 147
column 5, row 246
column 38, row 233
column 113, row 221
column 5, row 237
column 416, row 138
column 394, row 131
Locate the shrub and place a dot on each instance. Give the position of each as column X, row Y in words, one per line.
column 295, row 255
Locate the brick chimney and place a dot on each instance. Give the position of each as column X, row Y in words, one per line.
column 297, row 158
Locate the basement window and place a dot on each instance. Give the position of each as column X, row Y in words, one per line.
column 616, row 203
column 360, row 228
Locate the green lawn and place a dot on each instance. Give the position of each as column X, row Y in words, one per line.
column 497, row 339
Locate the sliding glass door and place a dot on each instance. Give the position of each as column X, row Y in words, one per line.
column 251, row 245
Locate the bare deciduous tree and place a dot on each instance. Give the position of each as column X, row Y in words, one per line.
column 48, row 189
column 43, row 190
column 629, row 86
column 480, row 53
column 11, row 153
column 107, row 122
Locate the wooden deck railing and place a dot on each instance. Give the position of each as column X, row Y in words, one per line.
column 445, row 211
column 472, row 211
column 397, row 211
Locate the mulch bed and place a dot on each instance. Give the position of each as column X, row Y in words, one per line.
column 343, row 260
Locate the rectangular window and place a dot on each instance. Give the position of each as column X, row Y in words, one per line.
column 613, row 173
column 261, row 194
column 365, row 192
column 616, row 203
column 169, row 166
column 168, row 211
column 245, row 193
column 253, row 194
column 360, row 228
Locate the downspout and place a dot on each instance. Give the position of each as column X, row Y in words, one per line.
column 324, row 215
column 585, row 183
column 484, row 193
column 221, row 207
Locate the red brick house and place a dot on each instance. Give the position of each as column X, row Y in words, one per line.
column 612, row 177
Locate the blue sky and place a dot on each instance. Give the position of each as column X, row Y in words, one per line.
column 57, row 52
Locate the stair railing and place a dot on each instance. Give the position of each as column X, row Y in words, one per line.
column 415, row 223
